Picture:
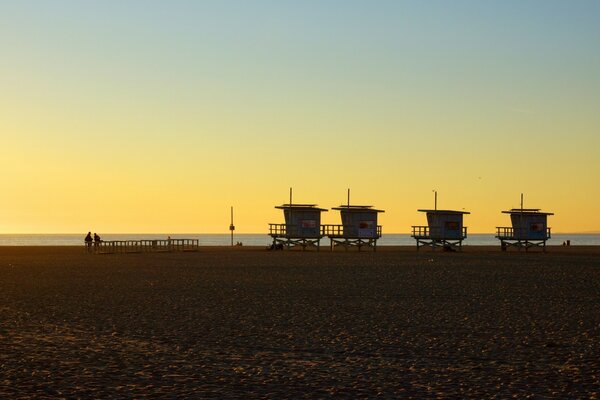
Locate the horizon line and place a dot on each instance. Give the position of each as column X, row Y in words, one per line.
column 249, row 233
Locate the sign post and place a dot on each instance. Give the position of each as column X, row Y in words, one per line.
column 231, row 226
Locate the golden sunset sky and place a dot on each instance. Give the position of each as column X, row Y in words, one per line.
column 157, row 116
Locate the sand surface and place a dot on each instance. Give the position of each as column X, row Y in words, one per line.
column 247, row 323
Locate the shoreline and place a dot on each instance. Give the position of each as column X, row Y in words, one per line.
column 550, row 249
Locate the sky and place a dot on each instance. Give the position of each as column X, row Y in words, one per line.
column 158, row 116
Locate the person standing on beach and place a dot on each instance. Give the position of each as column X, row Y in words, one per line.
column 88, row 242
column 97, row 241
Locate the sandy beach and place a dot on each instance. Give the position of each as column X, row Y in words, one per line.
column 248, row 323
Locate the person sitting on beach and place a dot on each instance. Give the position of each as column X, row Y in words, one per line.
column 88, row 241
column 276, row 246
column 97, row 241
column 449, row 248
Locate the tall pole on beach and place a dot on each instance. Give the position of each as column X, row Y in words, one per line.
column 348, row 197
column 291, row 220
column 435, row 200
column 231, row 226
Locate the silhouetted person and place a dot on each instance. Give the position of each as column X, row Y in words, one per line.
column 88, row 242
column 97, row 241
column 449, row 248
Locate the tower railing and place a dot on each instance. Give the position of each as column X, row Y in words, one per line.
column 512, row 233
column 339, row 230
column 427, row 232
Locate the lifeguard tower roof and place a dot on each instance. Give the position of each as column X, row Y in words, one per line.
column 528, row 211
column 300, row 207
column 444, row 211
column 356, row 208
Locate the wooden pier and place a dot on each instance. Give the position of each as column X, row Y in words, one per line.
column 146, row 246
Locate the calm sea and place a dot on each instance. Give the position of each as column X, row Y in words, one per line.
column 399, row 239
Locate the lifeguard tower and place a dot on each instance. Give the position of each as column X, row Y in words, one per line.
column 529, row 229
column 444, row 228
column 302, row 226
column 358, row 229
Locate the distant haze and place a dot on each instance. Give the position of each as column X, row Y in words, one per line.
column 126, row 116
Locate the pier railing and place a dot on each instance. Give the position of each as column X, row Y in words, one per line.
column 146, row 246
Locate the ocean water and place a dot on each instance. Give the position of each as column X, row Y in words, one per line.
column 392, row 239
